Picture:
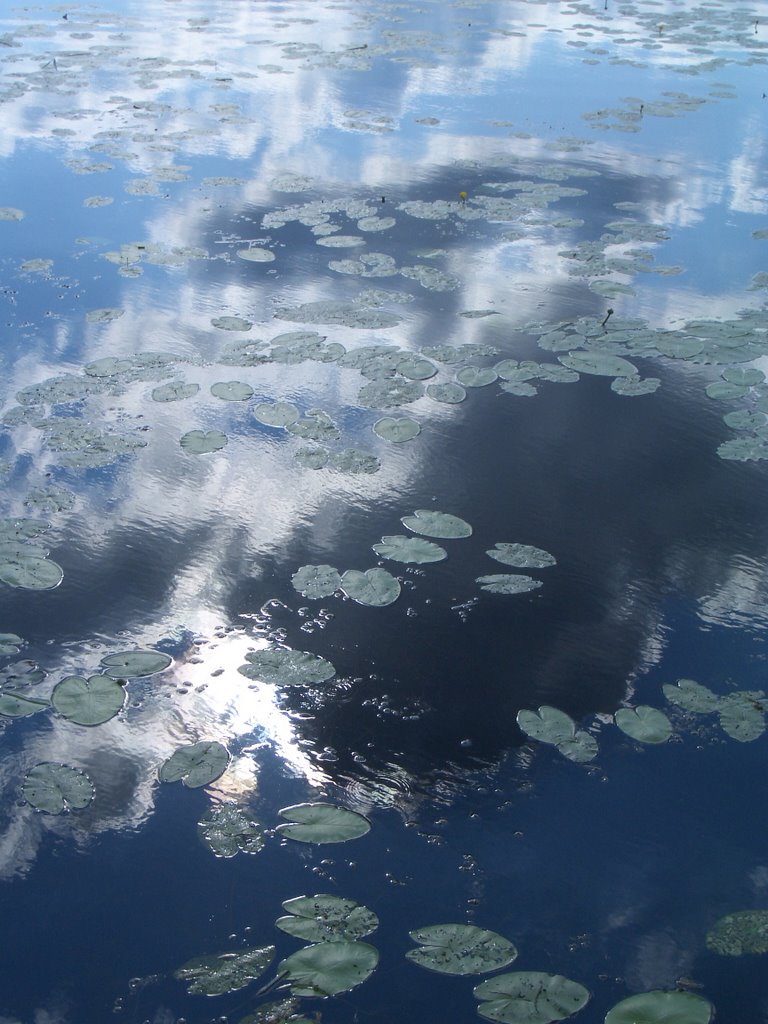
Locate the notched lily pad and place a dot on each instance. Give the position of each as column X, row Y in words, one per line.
column 529, row 997
column 227, row 830
column 322, row 823
column 135, row 664
column 286, row 667
column 522, row 556
column 196, row 764
column 174, row 391
column 460, row 949
column 16, row 705
column 56, row 788
column 691, row 696
column 643, row 723
column 232, row 391
column 550, row 725
column 327, row 968
column 414, row 550
column 201, row 442
column 396, row 429
column 326, row 918
column 599, row 363
column 437, row 524
column 374, row 587
column 90, row 701
column 316, row 581
column 276, row 414
column 662, row 1008
column 220, row 973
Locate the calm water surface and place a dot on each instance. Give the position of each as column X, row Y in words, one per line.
column 469, row 175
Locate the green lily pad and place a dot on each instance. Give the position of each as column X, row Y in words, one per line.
column 327, row 919
column 231, row 323
column 522, row 556
column 256, row 255
column 643, row 723
column 16, row 705
column 745, row 931
column 279, row 1011
column 508, row 583
column 437, row 524
column 661, row 1008
column 224, row 972
column 374, row 587
column 448, row 393
column 410, row 549
column 691, row 696
column 312, row 458
column 632, row 386
column 747, row 375
column 416, row 368
column 327, row 968
column 389, row 393
column 56, row 788
column 722, row 390
column 232, row 391
column 742, row 715
column 10, row 643
column 600, row 363
column 135, row 664
column 196, row 764
column 174, row 391
column 29, row 572
column 227, row 830
column 287, row 668
column 396, row 428
column 316, row 581
column 460, row 949
column 90, row 701
column 352, row 460
column 529, row 997
column 201, row 442
column 550, row 725
column 322, row 823
column 316, row 425
column 276, row 414
column 476, row 376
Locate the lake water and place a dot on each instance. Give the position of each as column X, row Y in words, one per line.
column 275, row 277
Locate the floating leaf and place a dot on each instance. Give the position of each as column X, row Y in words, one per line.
column 174, row 391
column 529, row 997
column 232, row 391
column 437, row 524
column 30, row 572
column 228, row 830
column 661, row 1008
column 522, row 556
column 374, row 587
column 327, row 968
column 10, row 643
column 287, row 668
column 276, row 414
column 316, row 581
column 56, row 788
column 396, row 429
column 16, row 705
column 352, row 460
column 742, row 715
column 231, row 323
column 315, row 425
column 280, row 1011
column 723, row 391
column 256, row 255
column 460, row 949
column 327, row 919
column 508, row 583
column 476, row 376
column 550, row 725
column 312, row 458
column 448, row 393
column 632, row 386
column 200, row 442
column 691, row 696
column 135, row 664
column 196, row 764
column 600, row 363
column 90, row 701
column 225, row 972
column 643, row 723
column 410, row 549
column 322, row 823
column 745, row 931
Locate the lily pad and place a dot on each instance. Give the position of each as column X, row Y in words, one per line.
column 327, row 919
column 508, row 583
column 661, row 1008
column 231, row 323
column 742, row 715
column 460, row 949
column 316, row 581
column 10, row 643
column 448, row 393
column 327, row 968
column 276, row 414
column 643, row 723
column 90, row 701
column 16, row 705
column 599, row 363
column 225, row 972
column 476, row 376
column 279, row 1011
column 522, row 556
column 56, row 788
column 550, row 725
column 200, row 442
column 135, row 664
column 414, row 550
column 745, row 931
column 315, row 425
column 396, row 429
column 174, row 391
column 29, row 572
column 232, row 391
column 256, row 255
column 228, row 830
column 437, row 524
column 352, row 460
column 322, row 823
column 196, row 764
column 374, row 587
column 287, row 668
column 529, row 997
column 691, row 696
